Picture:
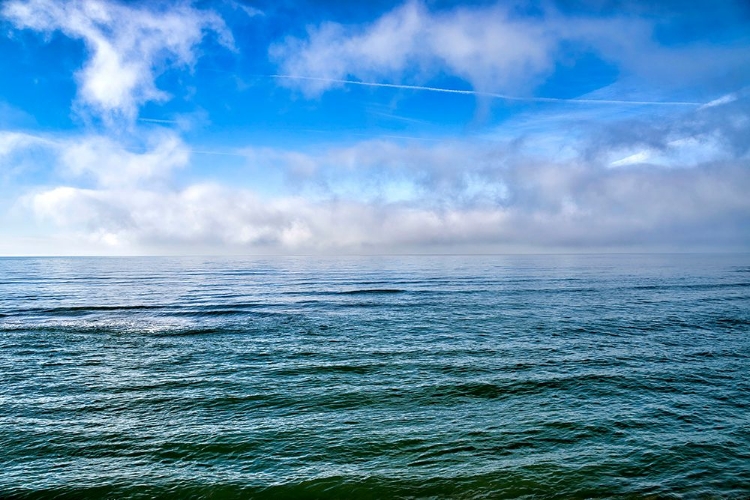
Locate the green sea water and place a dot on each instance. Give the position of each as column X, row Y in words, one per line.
column 578, row 376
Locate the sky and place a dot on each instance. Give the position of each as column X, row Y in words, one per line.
column 325, row 127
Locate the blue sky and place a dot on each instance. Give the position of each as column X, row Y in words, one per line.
column 296, row 127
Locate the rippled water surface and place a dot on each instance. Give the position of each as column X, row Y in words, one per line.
column 399, row 377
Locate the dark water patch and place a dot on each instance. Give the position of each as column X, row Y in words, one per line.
column 375, row 303
column 209, row 312
column 358, row 305
column 322, row 293
column 323, row 369
column 122, row 329
column 373, row 291
column 188, row 332
column 466, row 370
column 705, row 354
column 520, row 387
column 77, row 310
column 437, row 455
column 446, row 394
column 676, row 287
column 733, row 322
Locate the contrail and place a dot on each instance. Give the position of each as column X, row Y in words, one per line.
column 154, row 120
column 222, row 153
column 485, row 94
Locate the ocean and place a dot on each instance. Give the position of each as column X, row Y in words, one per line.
column 537, row 376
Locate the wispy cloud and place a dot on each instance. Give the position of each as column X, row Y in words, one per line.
column 725, row 99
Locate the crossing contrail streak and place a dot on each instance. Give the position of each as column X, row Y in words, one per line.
column 485, row 94
column 154, row 120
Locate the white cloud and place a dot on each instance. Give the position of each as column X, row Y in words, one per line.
column 494, row 48
column 503, row 200
column 484, row 46
column 554, row 207
column 633, row 159
column 684, row 152
column 128, row 46
column 111, row 164
column 249, row 11
column 725, row 99
column 100, row 159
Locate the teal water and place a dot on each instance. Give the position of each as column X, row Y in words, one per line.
column 589, row 376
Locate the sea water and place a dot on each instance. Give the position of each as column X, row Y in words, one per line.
column 544, row 376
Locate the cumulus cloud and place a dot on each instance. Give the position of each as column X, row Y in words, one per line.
column 127, row 45
column 493, row 47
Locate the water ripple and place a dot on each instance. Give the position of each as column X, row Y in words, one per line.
column 409, row 377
